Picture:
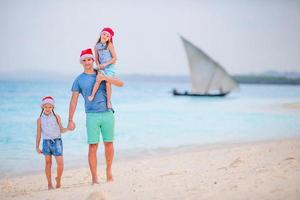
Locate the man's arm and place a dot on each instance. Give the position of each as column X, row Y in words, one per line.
column 72, row 108
column 114, row 81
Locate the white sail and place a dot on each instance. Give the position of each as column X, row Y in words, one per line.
column 207, row 75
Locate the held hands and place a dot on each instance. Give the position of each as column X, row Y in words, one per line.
column 71, row 125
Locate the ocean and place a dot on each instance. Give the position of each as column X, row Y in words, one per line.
column 148, row 117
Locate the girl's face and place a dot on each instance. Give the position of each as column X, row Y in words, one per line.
column 87, row 63
column 105, row 37
column 47, row 108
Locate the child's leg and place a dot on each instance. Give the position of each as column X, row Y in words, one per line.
column 95, row 88
column 48, row 164
column 108, row 94
column 60, row 168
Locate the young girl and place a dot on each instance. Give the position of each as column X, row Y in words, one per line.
column 50, row 127
column 105, row 56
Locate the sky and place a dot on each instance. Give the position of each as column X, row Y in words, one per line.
column 243, row 36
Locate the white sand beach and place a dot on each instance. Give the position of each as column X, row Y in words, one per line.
column 260, row 170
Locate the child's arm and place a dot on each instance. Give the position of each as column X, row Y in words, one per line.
column 62, row 129
column 96, row 56
column 38, row 136
column 113, row 55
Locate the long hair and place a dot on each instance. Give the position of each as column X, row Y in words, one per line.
column 53, row 113
column 42, row 112
column 55, row 116
column 99, row 40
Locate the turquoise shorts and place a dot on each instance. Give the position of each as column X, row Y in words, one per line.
column 102, row 123
column 109, row 71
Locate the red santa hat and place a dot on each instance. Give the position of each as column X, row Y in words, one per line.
column 87, row 53
column 110, row 32
column 49, row 100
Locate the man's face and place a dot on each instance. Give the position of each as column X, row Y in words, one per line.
column 87, row 63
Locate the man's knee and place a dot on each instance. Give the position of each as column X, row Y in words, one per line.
column 93, row 148
column 108, row 145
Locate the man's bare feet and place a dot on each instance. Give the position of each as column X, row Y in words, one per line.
column 109, row 177
column 50, row 186
column 108, row 104
column 58, row 184
column 90, row 98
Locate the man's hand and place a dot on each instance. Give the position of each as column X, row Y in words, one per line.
column 71, row 125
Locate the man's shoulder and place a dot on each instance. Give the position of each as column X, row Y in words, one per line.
column 85, row 76
column 80, row 76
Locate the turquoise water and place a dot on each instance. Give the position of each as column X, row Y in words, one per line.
column 147, row 117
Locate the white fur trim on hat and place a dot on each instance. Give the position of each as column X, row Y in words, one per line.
column 49, row 101
column 86, row 56
column 106, row 32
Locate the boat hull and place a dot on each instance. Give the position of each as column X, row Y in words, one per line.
column 175, row 93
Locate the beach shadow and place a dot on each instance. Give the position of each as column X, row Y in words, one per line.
column 236, row 163
column 97, row 196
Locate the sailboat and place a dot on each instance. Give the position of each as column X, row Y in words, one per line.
column 209, row 78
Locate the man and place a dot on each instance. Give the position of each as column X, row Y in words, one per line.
column 99, row 119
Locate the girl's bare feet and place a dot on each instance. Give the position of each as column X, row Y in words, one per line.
column 90, row 98
column 50, row 186
column 58, row 184
column 109, row 177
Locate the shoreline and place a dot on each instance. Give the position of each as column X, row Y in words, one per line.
column 131, row 155
column 268, row 169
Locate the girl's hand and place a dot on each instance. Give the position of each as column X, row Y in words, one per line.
column 98, row 66
column 39, row 151
column 101, row 66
